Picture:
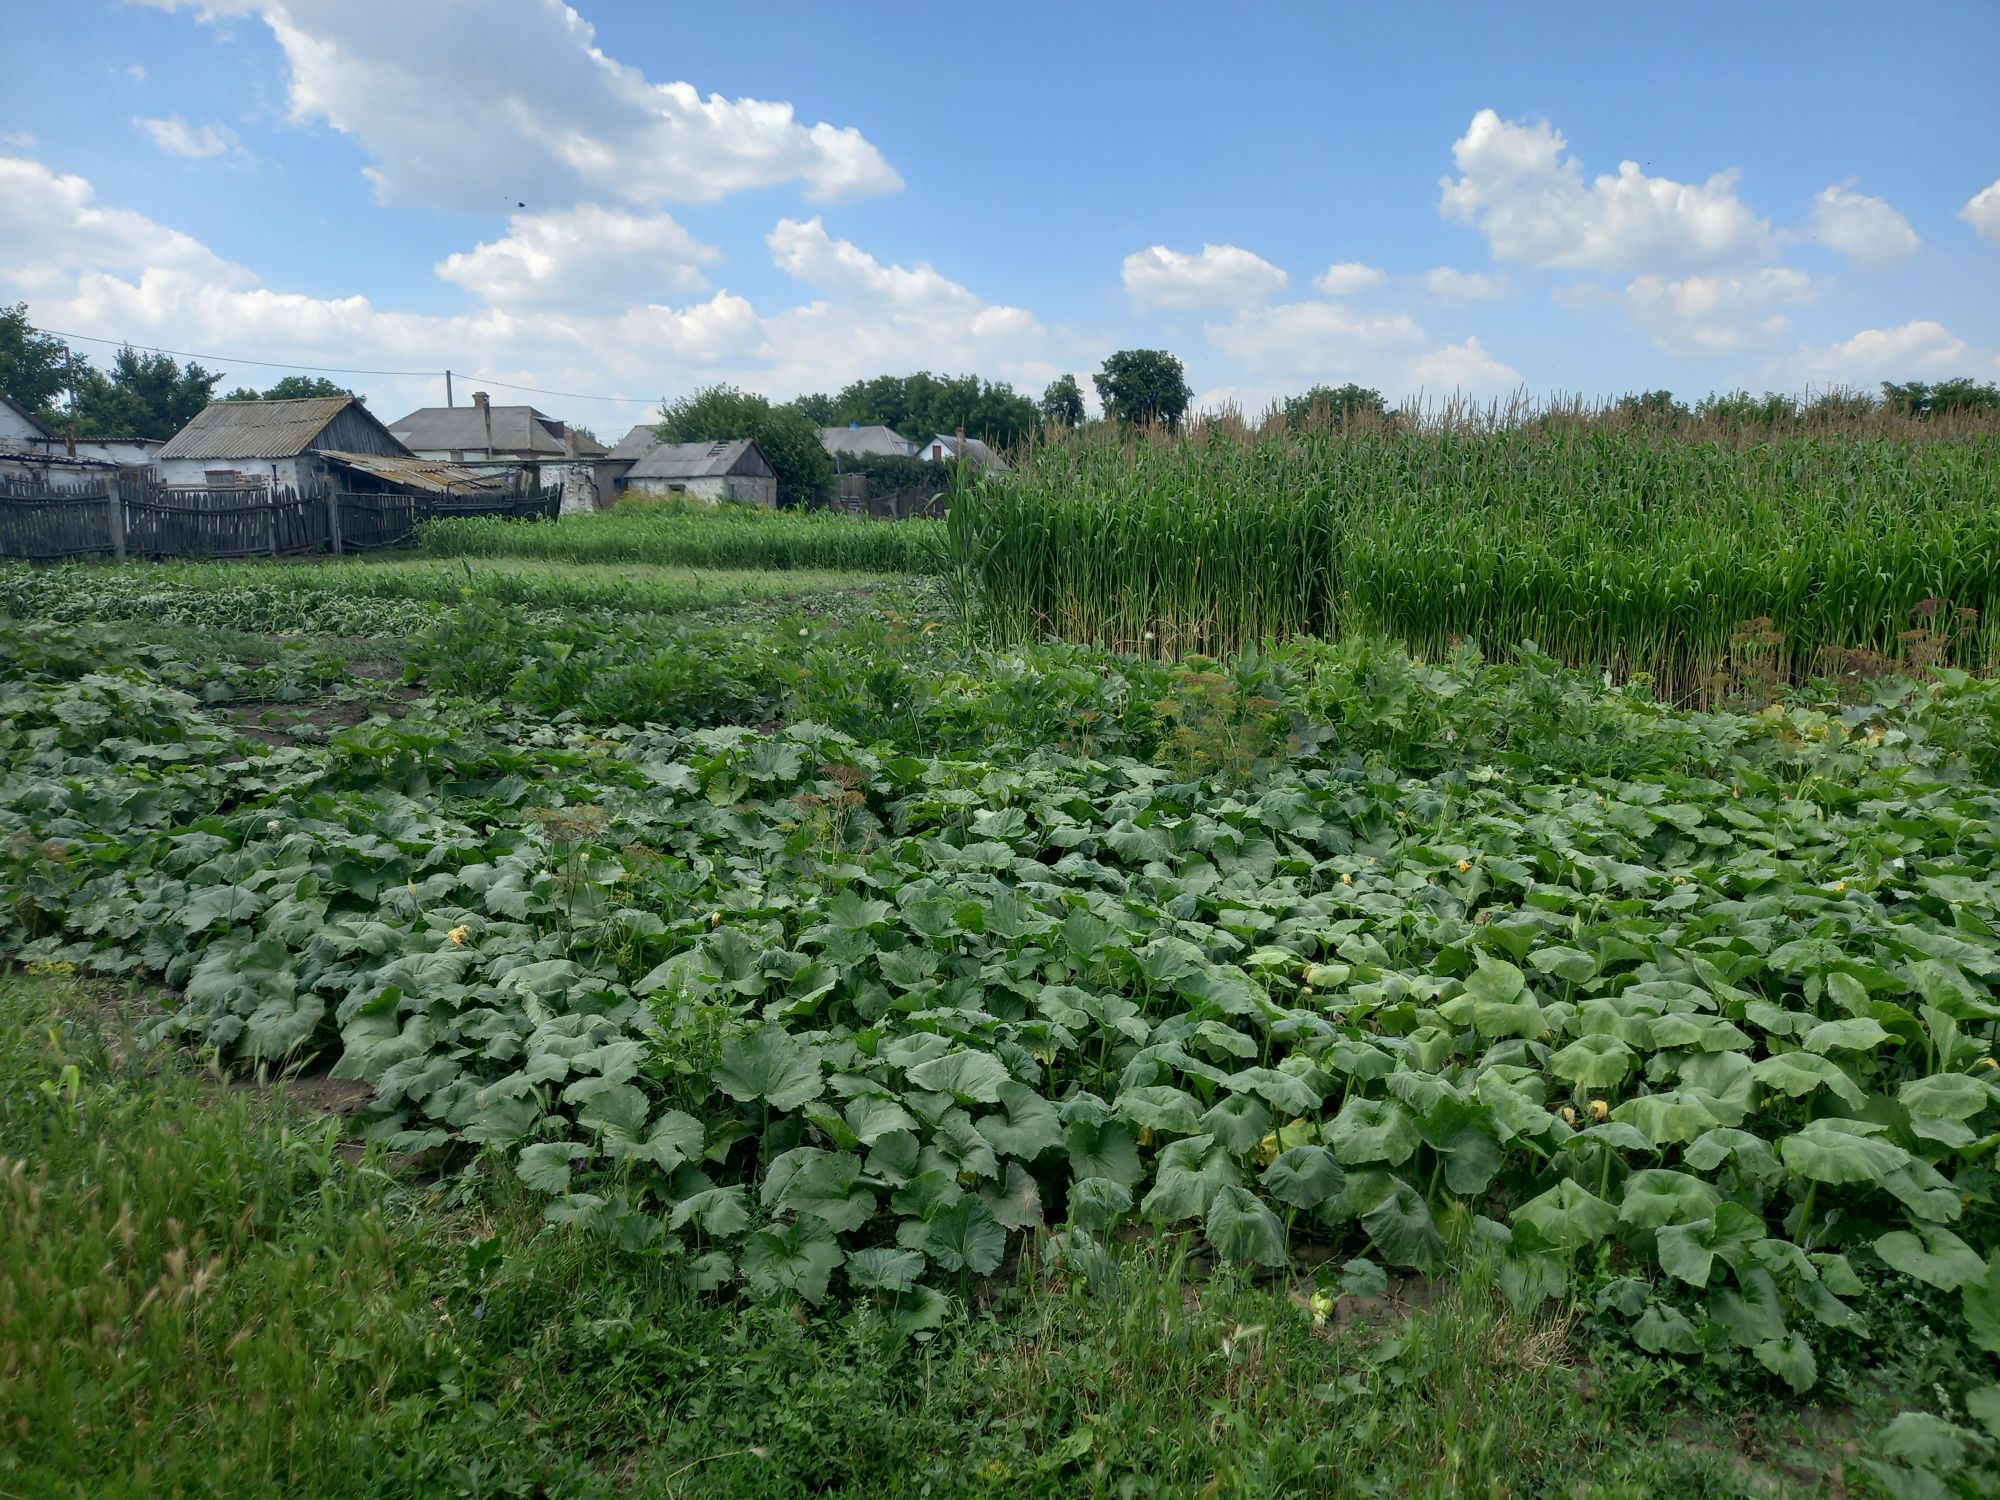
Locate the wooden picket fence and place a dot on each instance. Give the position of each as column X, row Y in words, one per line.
column 133, row 515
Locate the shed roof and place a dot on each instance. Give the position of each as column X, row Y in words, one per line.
column 258, row 429
column 702, row 460
column 431, row 475
column 867, row 442
column 637, row 443
column 462, row 429
column 33, row 421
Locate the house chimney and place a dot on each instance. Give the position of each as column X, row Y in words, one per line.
column 486, row 414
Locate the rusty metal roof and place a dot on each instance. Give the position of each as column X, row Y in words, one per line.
column 256, row 429
column 433, row 476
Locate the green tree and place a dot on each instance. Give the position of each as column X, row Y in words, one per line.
column 1062, row 402
column 1334, row 406
column 1741, row 409
column 1144, row 385
column 816, row 408
column 293, row 388
column 33, row 366
column 1916, row 399
column 789, row 439
column 144, row 395
column 1650, row 406
column 922, row 404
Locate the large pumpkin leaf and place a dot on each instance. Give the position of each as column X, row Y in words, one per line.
column 1401, row 1227
column 1932, row 1255
column 971, row 1077
column 1568, row 1216
column 1303, row 1176
column 1242, row 1229
column 1841, row 1151
column 768, row 1064
column 1371, row 1130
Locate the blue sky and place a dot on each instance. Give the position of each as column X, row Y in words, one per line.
column 641, row 198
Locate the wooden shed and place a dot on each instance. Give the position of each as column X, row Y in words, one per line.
column 271, row 442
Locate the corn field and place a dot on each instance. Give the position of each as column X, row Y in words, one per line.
column 1680, row 554
column 699, row 537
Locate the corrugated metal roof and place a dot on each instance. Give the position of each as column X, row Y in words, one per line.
column 462, row 429
column 866, row 442
column 255, row 429
column 637, row 443
column 696, row 460
column 431, row 475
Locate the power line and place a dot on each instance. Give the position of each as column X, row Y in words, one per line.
column 274, row 364
column 225, row 359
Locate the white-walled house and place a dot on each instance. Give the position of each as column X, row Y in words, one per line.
column 733, row 470
column 943, row 448
column 271, row 442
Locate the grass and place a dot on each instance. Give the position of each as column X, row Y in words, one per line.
column 200, row 1295
column 1646, row 550
column 725, row 537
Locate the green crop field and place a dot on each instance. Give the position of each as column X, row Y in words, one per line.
column 1667, row 551
column 651, row 1005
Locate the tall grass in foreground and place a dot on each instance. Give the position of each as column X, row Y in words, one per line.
column 1658, row 549
column 723, row 537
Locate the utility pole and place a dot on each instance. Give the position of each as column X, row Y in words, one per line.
column 71, row 372
column 447, row 388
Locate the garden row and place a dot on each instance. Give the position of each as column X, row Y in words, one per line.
column 1686, row 1017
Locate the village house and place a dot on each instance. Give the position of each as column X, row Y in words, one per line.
column 281, row 444
column 510, row 439
column 732, row 470
column 28, row 449
column 943, row 448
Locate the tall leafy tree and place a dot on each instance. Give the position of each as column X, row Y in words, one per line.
column 143, row 395
column 921, row 404
column 292, row 388
column 1334, row 405
column 816, row 407
column 1062, row 402
column 33, row 366
column 1144, row 385
column 789, row 439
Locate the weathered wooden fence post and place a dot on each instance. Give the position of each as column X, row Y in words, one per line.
column 271, row 521
column 114, row 514
column 333, row 520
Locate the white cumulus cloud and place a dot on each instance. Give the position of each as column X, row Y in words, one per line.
column 1463, row 286
column 802, row 248
column 1719, row 313
column 1982, row 212
column 481, row 104
column 583, row 257
column 1463, row 369
column 1864, row 229
column 1923, row 347
column 1344, row 278
column 1519, row 185
column 1217, row 276
column 176, row 137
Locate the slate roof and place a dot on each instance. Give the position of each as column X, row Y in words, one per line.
column 871, row 442
column 702, row 460
column 975, row 450
column 637, row 443
column 461, row 429
column 257, row 429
